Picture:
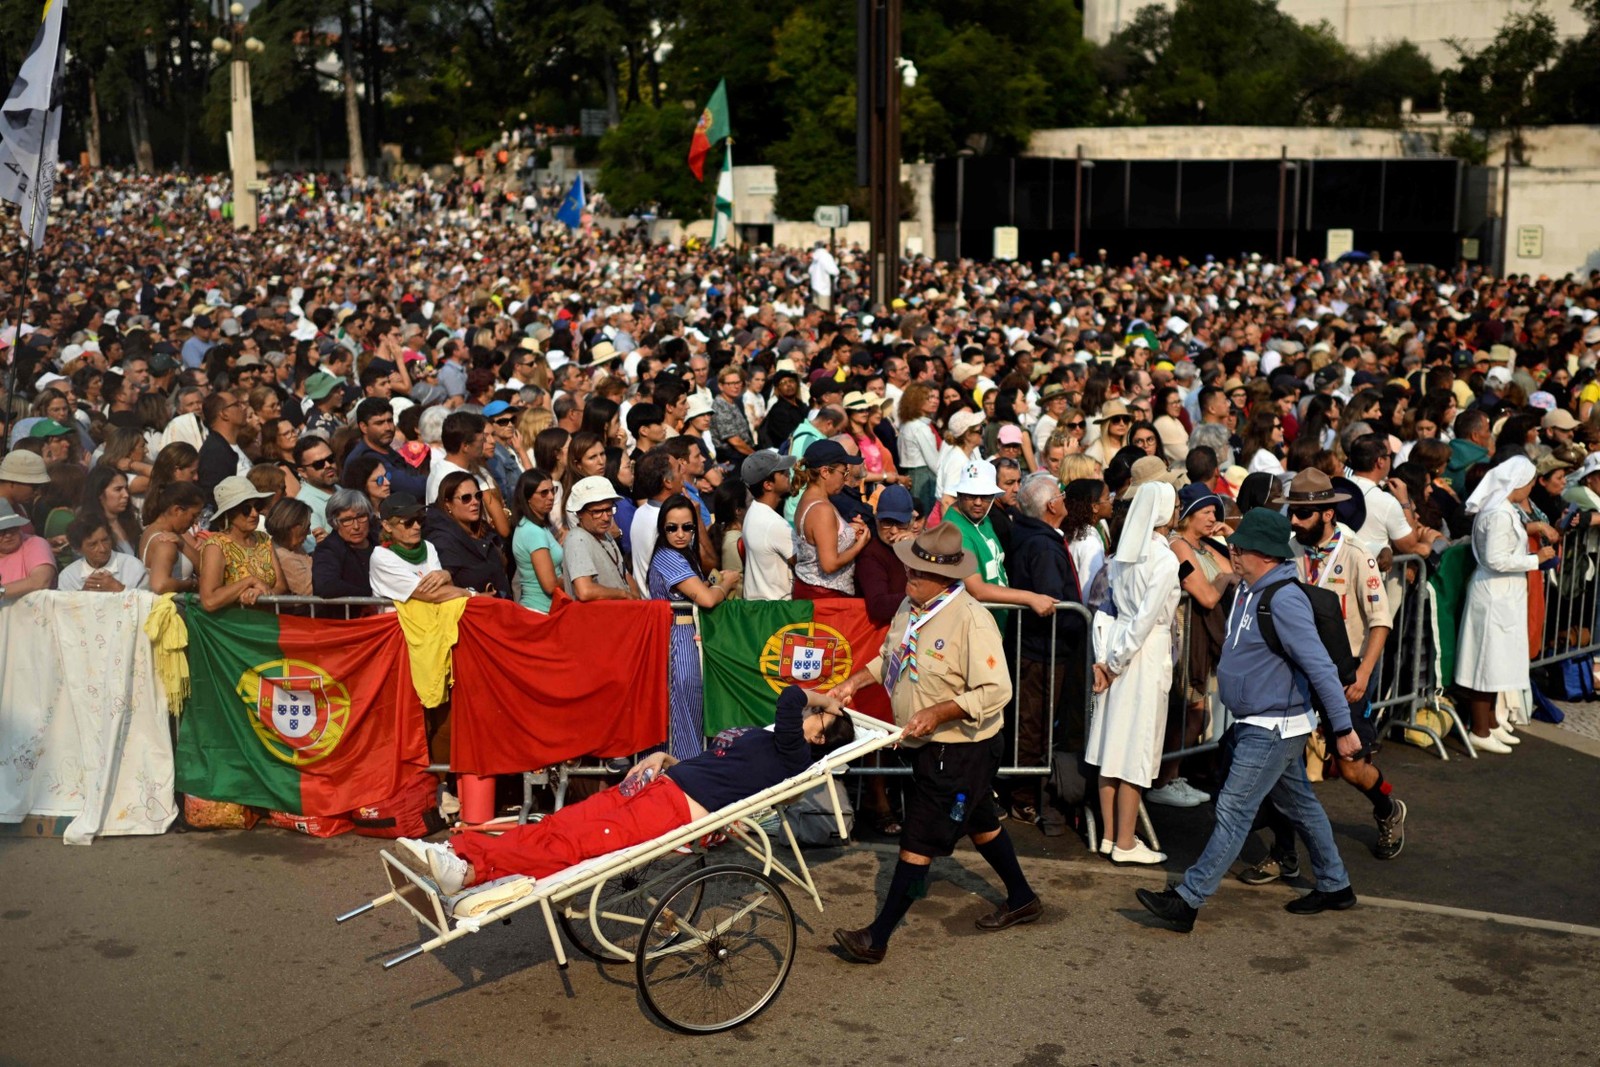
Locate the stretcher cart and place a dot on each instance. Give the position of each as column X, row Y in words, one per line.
column 711, row 945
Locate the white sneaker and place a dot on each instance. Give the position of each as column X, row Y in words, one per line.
column 1175, row 794
column 449, row 805
column 1139, row 853
column 1504, row 735
column 1106, row 845
column 415, row 848
column 1490, row 744
column 1199, row 796
column 449, row 870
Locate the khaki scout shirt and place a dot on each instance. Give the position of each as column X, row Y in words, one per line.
column 960, row 657
column 1352, row 572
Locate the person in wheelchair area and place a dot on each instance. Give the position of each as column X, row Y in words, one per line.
column 659, row 795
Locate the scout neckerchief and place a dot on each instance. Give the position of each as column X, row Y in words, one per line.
column 904, row 658
column 1316, row 557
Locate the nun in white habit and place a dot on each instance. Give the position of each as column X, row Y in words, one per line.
column 1494, row 623
column 1133, row 669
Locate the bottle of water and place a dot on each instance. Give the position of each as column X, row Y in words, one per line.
column 958, row 810
column 635, row 783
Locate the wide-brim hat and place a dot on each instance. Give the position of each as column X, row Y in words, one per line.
column 1352, row 512
column 232, row 492
column 1113, row 409
column 1265, row 531
column 1312, row 488
column 1154, row 469
column 938, row 551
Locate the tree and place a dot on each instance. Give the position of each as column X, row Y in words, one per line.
column 1497, row 87
column 643, row 164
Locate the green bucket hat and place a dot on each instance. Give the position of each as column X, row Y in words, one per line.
column 1265, row 531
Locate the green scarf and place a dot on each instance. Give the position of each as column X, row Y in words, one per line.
column 412, row 556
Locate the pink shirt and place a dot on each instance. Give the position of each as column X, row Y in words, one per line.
column 34, row 552
column 871, row 453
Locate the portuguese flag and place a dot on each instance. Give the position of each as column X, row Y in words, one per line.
column 306, row 716
column 753, row 649
column 712, row 127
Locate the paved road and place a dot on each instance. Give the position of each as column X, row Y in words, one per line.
column 219, row 948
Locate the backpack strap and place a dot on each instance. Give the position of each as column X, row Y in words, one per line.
column 1269, row 630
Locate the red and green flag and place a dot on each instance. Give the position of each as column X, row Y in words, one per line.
column 712, row 127
column 306, row 716
column 752, row 649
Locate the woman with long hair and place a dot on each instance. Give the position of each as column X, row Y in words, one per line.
column 676, row 574
column 729, row 501
column 919, row 444
column 288, row 523
column 550, row 454
column 535, row 544
column 278, row 438
column 1263, row 438
column 106, row 498
column 1133, row 670
column 178, row 462
column 877, row 464
column 1010, row 406
column 600, row 418
column 1321, row 424
column 127, row 451
column 168, row 547
column 1144, row 437
column 467, row 544
column 367, row 474
column 619, row 472
column 1083, row 531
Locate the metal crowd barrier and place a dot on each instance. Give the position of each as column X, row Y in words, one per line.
column 1572, row 598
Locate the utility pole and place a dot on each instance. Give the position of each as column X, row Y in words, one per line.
column 878, row 137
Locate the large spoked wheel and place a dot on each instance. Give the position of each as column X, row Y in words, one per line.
column 730, row 961
column 624, row 902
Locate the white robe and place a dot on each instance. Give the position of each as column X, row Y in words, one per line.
column 1130, row 717
column 1493, row 638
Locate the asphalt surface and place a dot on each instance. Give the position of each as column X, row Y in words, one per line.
column 220, row 948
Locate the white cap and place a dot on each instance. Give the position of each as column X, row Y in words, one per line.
column 978, row 480
column 1591, row 464
column 591, row 490
column 963, row 421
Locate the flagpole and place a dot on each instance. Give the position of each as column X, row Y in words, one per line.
column 20, row 306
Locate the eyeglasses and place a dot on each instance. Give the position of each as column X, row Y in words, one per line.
column 351, row 521
column 599, row 511
column 1305, row 511
column 317, row 464
column 673, row 527
column 467, row 498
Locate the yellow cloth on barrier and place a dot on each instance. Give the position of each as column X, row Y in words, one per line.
column 169, row 637
column 431, row 631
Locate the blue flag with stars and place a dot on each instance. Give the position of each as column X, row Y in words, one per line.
column 571, row 213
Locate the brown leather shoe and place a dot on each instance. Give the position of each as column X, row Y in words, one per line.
column 857, row 945
column 1004, row 916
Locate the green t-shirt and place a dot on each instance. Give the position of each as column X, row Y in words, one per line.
column 980, row 540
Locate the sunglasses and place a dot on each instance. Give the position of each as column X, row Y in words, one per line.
column 382, row 479
column 506, row 420
column 1080, row 424
column 407, row 520
column 1305, row 511
column 673, row 527
column 317, row 464
column 467, row 498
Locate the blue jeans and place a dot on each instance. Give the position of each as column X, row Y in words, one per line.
column 1264, row 764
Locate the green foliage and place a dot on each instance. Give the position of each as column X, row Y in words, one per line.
column 643, row 163
column 1498, row 85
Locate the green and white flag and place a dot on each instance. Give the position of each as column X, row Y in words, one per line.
column 722, row 214
column 30, row 124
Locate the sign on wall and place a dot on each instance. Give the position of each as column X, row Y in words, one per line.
column 1530, row 242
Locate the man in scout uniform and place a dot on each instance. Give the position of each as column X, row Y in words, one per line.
column 945, row 669
column 1329, row 555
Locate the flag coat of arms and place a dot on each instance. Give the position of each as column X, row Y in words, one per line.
column 305, row 716
column 753, row 649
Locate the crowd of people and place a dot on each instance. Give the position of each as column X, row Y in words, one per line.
column 390, row 392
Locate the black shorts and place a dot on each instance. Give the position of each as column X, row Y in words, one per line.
column 938, row 773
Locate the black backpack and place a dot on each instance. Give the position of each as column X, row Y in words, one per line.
column 1329, row 617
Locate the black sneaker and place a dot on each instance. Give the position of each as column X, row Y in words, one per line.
column 1318, row 901
column 1169, row 907
column 1271, row 870
column 1391, row 833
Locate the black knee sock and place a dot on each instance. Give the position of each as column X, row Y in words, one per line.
column 910, row 882
column 1382, row 803
column 1002, row 856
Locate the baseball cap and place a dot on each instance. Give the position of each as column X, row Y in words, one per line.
column 895, row 504
column 49, row 428
column 495, row 407
column 1559, row 419
column 1010, row 435
column 400, row 506
column 759, row 466
column 828, row 454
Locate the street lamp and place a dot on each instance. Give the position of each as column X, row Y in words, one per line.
column 239, row 49
column 1079, row 166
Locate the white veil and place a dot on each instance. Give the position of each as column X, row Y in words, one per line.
column 1152, row 506
column 1500, row 483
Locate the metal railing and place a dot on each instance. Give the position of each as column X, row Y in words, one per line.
column 1572, row 597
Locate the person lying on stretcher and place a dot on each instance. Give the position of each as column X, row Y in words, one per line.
column 740, row 763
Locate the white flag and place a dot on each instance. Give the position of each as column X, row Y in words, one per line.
column 722, row 215
column 30, row 124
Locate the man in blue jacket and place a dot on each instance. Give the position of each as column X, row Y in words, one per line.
column 1270, row 697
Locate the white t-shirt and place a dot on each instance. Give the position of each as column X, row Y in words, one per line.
column 768, row 549
column 396, row 579
column 953, row 466
column 642, row 540
column 121, row 566
column 441, row 467
column 1386, row 519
